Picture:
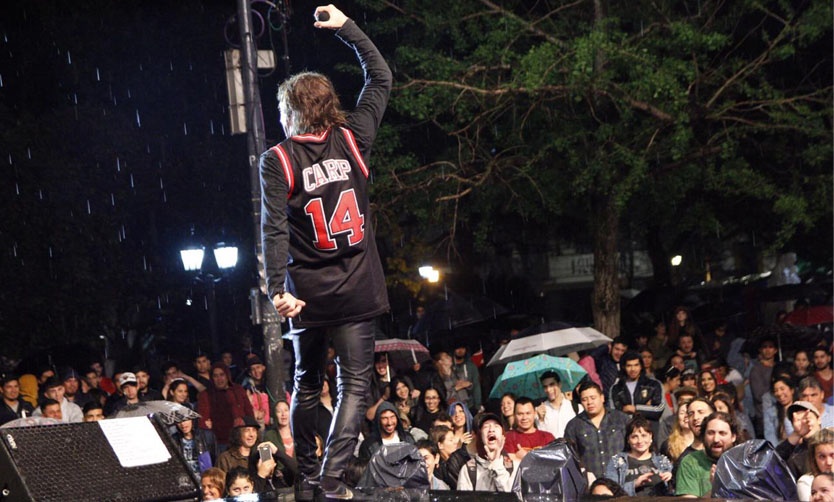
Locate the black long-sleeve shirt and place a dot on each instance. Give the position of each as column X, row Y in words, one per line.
column 318, row 240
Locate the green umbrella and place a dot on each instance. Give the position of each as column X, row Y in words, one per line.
column 522, row 377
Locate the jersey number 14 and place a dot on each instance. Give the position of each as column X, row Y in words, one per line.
column 346, row 219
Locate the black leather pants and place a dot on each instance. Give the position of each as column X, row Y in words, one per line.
column 354, row 344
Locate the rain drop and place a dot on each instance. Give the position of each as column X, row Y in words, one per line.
column 141, row 68
column 75, row 98
column 171, row 65
column 184, row 129
column 1, row 80
column 14, row 250
column 138, row 120
column 69, row 58
column 161, row 185
column 29, row 152
column 112, row 200
column 40, row 193
column 164, row 197
column 10, row 160
column 129, row 94
column 148, row 148
column 211, row 127
column 16, row 188
column 98, row 75
column 145, row 263
column 118, row 165
column 89, row 209
column 131, row 181
column 159, row 302
column 124, row 232
column 50, row 251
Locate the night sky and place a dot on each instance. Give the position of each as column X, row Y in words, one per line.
column 114, row 134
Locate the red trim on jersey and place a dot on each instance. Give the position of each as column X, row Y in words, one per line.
column 287, row 165
column 355, row 149
column 312, row 138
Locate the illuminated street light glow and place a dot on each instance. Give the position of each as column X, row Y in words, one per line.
column 676, row 260
column 192, row 259
column 225, row 255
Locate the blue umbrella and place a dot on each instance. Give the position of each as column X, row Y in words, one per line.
column 522, row 377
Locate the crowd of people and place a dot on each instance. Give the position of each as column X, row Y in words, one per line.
column 652, row 416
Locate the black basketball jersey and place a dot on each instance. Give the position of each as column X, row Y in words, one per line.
column 316, row 217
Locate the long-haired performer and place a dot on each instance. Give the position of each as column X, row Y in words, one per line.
column 322, row 266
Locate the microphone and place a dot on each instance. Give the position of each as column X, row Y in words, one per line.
column 322, row 16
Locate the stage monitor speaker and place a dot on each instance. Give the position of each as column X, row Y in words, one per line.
column 78, row 462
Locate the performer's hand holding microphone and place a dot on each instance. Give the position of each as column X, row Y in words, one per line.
column 328, row 16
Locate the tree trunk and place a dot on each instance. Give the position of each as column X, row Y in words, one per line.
column 606, row 295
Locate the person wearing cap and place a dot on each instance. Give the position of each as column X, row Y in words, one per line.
column 255, row 385
column 54, row 389
column 794, row 449
column 129, row 388
column 695, row 471
column 11, row 406
column 556, row 411
column 72, row 388
column 242, row 439
column 491, row 469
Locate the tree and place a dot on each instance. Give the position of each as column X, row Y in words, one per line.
column 687, row 116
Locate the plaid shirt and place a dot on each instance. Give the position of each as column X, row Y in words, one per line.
column 596, row 446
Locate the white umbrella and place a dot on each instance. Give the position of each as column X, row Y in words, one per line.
column 553, row 338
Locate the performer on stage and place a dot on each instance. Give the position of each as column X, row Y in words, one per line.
column 322, row 266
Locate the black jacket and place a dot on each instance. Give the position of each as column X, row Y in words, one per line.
column 648, row 390
column 372, row 443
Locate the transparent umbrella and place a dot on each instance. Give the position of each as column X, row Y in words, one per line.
column 168, row 412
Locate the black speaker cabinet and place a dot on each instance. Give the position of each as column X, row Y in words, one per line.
column 77, row 462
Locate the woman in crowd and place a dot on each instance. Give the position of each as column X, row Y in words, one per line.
column 178, row 392
column 637, row 470
column 776, row 424
column 452, row 457
column 508, row 410
column 725, row 403
column 198, row 446
column 379, row 384
column 682, row 323
column 820, row 460
column 462, row 423
column 213, row 484
column 401, row 396
column 281, row 434
column 822, row 490
column 239, row 482
column 681, row 436
column 430, row 406
column 707, row 384
column 801, row 366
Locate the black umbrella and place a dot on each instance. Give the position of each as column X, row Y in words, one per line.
column 787, row 336
column 455, row 311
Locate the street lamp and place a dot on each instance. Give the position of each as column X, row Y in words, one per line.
column 429, row 273
column 225, row 257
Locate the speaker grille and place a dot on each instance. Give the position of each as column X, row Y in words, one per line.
column 75, row 462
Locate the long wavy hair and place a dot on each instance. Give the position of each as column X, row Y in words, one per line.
column 309, row 104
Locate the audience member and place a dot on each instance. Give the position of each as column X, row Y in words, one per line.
column 508, row 410
column 202, row 370
column 430, row 407
column 280, row 433
column 213, row 484
column 604, row 488
column 452, row 457
column 242, row 439
column 681, row 436
column 461, row 423
column 198, row 446
column 608, row 362
column 491, row 469
column 634, row 392
column 597, row 432
column 659, row 345
column 794, row 449
column 72, row 388
column 696, row 470
column 556, row 410
column 93, row 411
column 50, row 408
column 129, row 394
column 637, row 469
column 822, row 489
column 759, row 379
column 823, row 372
column 387, row 430
column 431, row 456
column 143, row 379
column 820, row 459
column 255, row 385
column 223, row 405
column 692, row 359
column 54, row 389
column 466, row 371
column 525, row 437
column 12, row 406
column 239, row 482
column 725, row 403
column 809, row 389
column 801, row 366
